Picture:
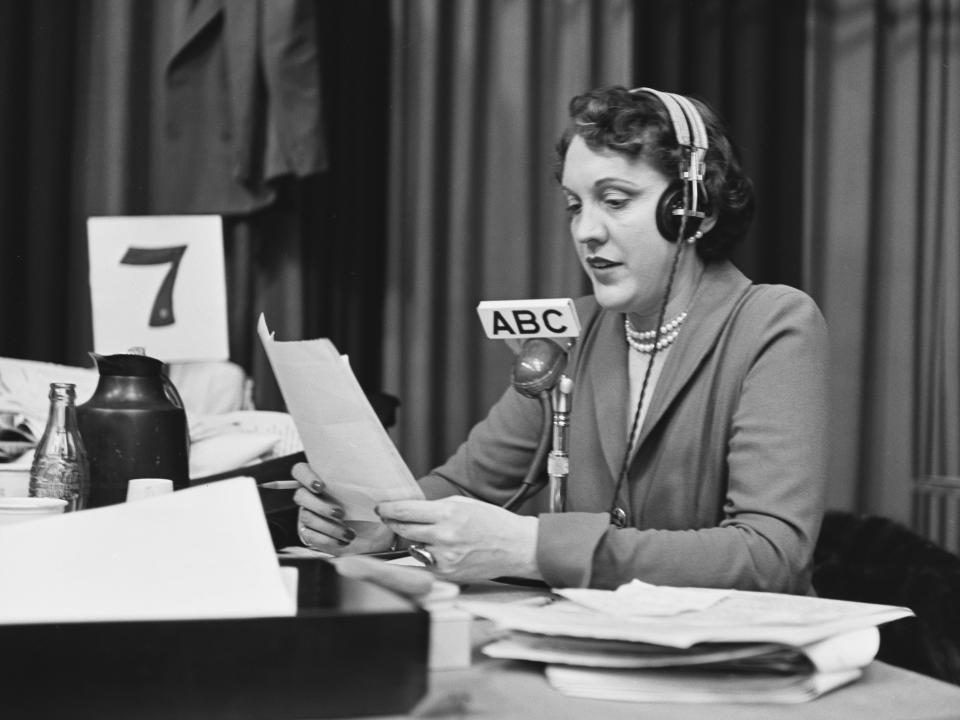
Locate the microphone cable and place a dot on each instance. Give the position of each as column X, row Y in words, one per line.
column 531, row 485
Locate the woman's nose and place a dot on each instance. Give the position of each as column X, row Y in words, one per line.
column 588, row 228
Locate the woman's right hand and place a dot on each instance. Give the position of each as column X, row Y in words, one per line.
column 320, row 522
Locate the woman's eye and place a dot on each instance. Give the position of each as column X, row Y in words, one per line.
column 615, row 202
column 572, row 208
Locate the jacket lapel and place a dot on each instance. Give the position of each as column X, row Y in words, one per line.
column 720, row 290
column 609, row 388
column 198, row 15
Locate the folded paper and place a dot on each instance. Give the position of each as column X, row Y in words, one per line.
column 344, row 440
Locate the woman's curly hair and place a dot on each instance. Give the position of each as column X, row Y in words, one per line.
column 637, row 125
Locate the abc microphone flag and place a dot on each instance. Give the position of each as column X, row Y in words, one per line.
column 524, row 319
column 541, row 332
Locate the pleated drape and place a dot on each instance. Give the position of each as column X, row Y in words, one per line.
column 479, row 96
column 938, row 378
column 882, row 222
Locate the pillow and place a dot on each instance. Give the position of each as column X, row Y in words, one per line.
column 228, row 451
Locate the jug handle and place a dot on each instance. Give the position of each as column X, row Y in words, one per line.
column 173, row 395
column 170, row 390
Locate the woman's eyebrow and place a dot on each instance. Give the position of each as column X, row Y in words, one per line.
column 604, row 181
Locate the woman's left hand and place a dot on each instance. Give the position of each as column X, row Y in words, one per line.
column 469, row 539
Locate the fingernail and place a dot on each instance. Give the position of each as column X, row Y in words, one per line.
column 316, row 486
column 349, row 534
column 337, row 513
column 376, row 509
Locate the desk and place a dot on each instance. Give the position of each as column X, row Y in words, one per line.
column 509, row 690
column 505, row 690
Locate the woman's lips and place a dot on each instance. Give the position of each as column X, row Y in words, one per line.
column 601, row 263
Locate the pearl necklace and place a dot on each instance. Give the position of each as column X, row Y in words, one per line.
column 643, row 341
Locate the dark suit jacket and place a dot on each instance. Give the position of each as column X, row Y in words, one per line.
column 726, row 488
column 243, row 105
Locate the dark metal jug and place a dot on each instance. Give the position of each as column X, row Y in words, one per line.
column 133, row 425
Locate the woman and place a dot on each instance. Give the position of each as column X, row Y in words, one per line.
column 719, row 385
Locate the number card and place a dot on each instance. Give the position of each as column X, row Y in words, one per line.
column 159, row 282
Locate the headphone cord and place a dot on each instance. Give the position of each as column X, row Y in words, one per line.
column 622, row 475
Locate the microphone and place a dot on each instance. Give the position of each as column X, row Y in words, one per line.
column 541, row 332
column 538, row 367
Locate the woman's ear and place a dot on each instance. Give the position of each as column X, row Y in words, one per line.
column 708, row 223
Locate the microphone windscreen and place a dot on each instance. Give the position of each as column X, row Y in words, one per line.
column 538, row 367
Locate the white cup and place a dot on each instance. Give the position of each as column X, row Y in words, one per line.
column 14, row 481
column 142, row 488
column 18, row 509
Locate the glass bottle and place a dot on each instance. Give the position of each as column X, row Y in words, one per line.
column 60, row 467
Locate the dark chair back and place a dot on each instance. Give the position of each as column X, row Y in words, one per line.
column 876, row 559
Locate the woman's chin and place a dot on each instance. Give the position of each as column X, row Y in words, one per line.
column 611, row 300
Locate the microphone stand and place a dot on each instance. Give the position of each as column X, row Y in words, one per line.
column 538, row 374
column 558, row 461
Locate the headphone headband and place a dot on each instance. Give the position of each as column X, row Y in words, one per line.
column 689, row 128
column 691, row 132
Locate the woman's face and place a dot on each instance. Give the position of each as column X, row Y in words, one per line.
column 612, row 203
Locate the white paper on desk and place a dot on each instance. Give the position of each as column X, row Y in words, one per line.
column 833, row 662
column 343, row 438
column 679, row 685
column 743, row 616
column 850, row 650
column 640, row 599
column 203, row 552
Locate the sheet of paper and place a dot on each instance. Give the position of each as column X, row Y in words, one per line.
column 741, row 617
column 613, row 654
column 677, row 685
column 849, row 650
column 343, row 438
column 204, row 552
column 640, row 599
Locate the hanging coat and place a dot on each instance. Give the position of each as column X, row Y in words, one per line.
column 243, row 105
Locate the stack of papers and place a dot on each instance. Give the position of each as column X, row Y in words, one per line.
column 646, row 643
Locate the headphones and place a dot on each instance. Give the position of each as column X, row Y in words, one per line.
column 684, row 205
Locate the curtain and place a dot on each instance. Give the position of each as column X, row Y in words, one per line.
column 480, row 90
column 88, row 136
column 881, row 188
column 39, row 279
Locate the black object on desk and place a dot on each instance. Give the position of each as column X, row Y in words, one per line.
column 353, row 649
column 278, row 505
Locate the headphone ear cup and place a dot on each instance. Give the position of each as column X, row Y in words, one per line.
column 672, row 199
column 669, row 224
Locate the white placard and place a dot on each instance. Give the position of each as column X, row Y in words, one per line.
column 522, row 319
column 159, row 282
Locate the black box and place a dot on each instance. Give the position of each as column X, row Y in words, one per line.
column 353, row 649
